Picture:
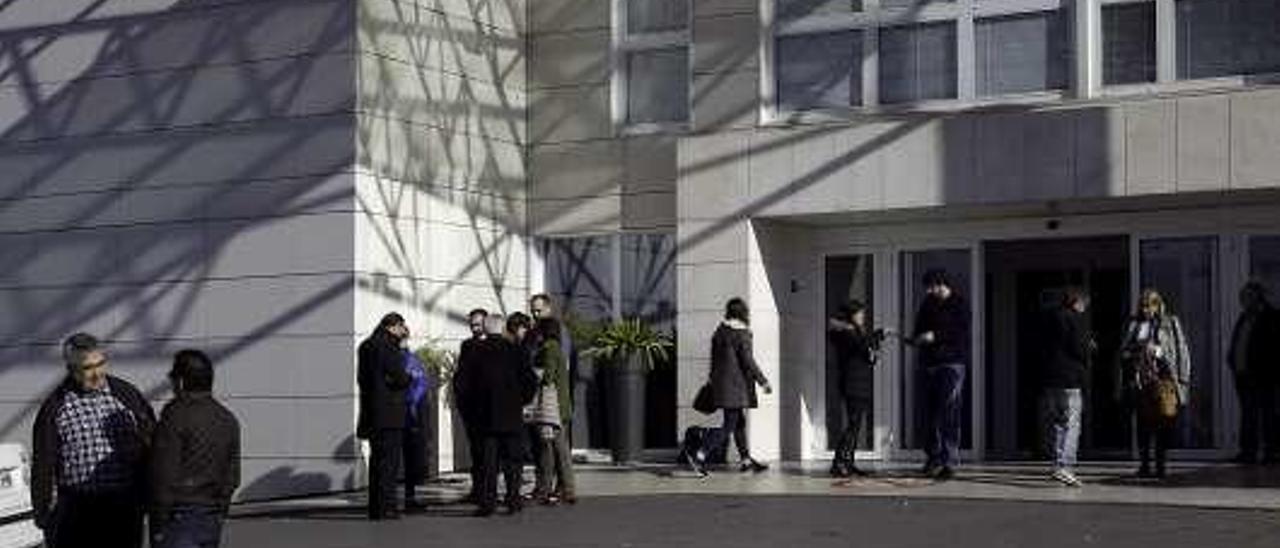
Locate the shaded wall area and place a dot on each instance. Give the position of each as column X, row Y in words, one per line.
column 177, row 174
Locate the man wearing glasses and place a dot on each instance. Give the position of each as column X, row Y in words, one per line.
column 90, row 442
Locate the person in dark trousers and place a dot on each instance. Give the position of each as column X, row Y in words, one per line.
column 856, row 348
column 1252, row 357
column 195, row 460
column 1156, row 368
column 467, row 361
column 942, row 337
column 89, row 446
column 734, row 376
column 383, row 383
column 497, row 388
column 415, row 429
column 1067, row 346
column 551, row 415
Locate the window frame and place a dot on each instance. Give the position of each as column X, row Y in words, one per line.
column 622, row 44
column 1085, row 69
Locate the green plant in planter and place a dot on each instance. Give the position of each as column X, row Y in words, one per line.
column 439, row 361
column 630, row 337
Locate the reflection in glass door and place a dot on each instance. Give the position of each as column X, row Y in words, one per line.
column 847, row 277
column 914, row 264
column 1183, row 270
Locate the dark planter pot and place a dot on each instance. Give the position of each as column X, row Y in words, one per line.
column 628, row 410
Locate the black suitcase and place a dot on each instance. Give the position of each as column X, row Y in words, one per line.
column 698, row 438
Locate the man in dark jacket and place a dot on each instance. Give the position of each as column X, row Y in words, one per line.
column 195, row 462
column 90, row 441
column 496, row 389
column 942, row 336
column 1252, row 357
column 383, row 383
column 1067, row 346
column 466, row 363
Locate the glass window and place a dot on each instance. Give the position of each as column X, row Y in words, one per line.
column 649, row 293
column 1024, row 52
column 900, row 4
column 790, row 10
column 1129, row 43
column 579, row 275
column 657, row 15
column 657, row 85
column 1228, row 37
column 849, row 277
column 918, row 62
column 820, row 70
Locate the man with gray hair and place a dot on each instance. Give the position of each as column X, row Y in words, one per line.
column 90, row 441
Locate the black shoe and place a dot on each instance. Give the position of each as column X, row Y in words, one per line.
column 414, row 504
column 1160, row 472
column 483, row 512
column 858, row 472
column 752, row 465
column 930, row 469
column 514, row 506
column 1144, row 471
column 944, row 473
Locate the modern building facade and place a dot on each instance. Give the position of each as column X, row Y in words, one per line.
column 265, row 178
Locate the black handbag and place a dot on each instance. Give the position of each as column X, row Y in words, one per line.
column 704, row 402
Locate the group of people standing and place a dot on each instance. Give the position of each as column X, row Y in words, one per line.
column 102, row 464
column 1153, row 371
column 512, row 391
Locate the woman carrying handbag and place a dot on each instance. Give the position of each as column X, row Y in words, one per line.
column 1156, row 369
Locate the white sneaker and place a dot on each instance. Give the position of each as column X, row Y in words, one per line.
column 1067, row 478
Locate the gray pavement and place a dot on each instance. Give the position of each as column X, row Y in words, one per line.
column 796, row 505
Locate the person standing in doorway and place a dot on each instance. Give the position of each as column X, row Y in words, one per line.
column 465, row 363
column 89, row 447
column 734, row 376
column 1068, row 346
column 942, row 335
column 857, row 347
column 1156, row 366
column 1252, row 357
column 195, row 463
column 383, row 383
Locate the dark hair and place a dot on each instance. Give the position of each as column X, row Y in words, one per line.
column 548, row 329
column 1073, row 295
column 541, row 297
column 477, row 312
column 736, row 309
column 78, row 345
column 392, row 319
column 935, row 276
column 518, row 320
column 194, row 369
column 851, row 307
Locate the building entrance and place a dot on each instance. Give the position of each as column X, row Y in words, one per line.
column 1025, row 279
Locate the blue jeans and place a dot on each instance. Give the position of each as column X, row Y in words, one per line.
column 944, row 386
column 191, row 527
column 1061, row 408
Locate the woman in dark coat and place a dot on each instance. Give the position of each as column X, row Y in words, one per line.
column 734, row 374
column 856, row 347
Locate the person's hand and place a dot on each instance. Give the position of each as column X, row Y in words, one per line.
column 928, row 337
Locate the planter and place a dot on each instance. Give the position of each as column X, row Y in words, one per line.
column 628, row 409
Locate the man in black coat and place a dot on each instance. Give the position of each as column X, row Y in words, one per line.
column 496, row 389
column 195, row 461
column 942, row 336
column 1252, row 357
column 1067, row 346
column 383, row 382
column 466, row 363
column 89, row 447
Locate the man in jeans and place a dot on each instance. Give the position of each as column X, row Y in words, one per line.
column 195, row 462
column 1067, row 346
column 942, row 336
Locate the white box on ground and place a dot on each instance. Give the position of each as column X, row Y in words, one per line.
column 17, row 529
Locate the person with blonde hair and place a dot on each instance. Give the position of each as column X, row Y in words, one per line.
column 1156, row 367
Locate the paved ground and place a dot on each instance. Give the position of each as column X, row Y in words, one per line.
column 796, row 506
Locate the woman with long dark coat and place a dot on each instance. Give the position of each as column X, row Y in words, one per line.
column 734, row 374
column 856, row 347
